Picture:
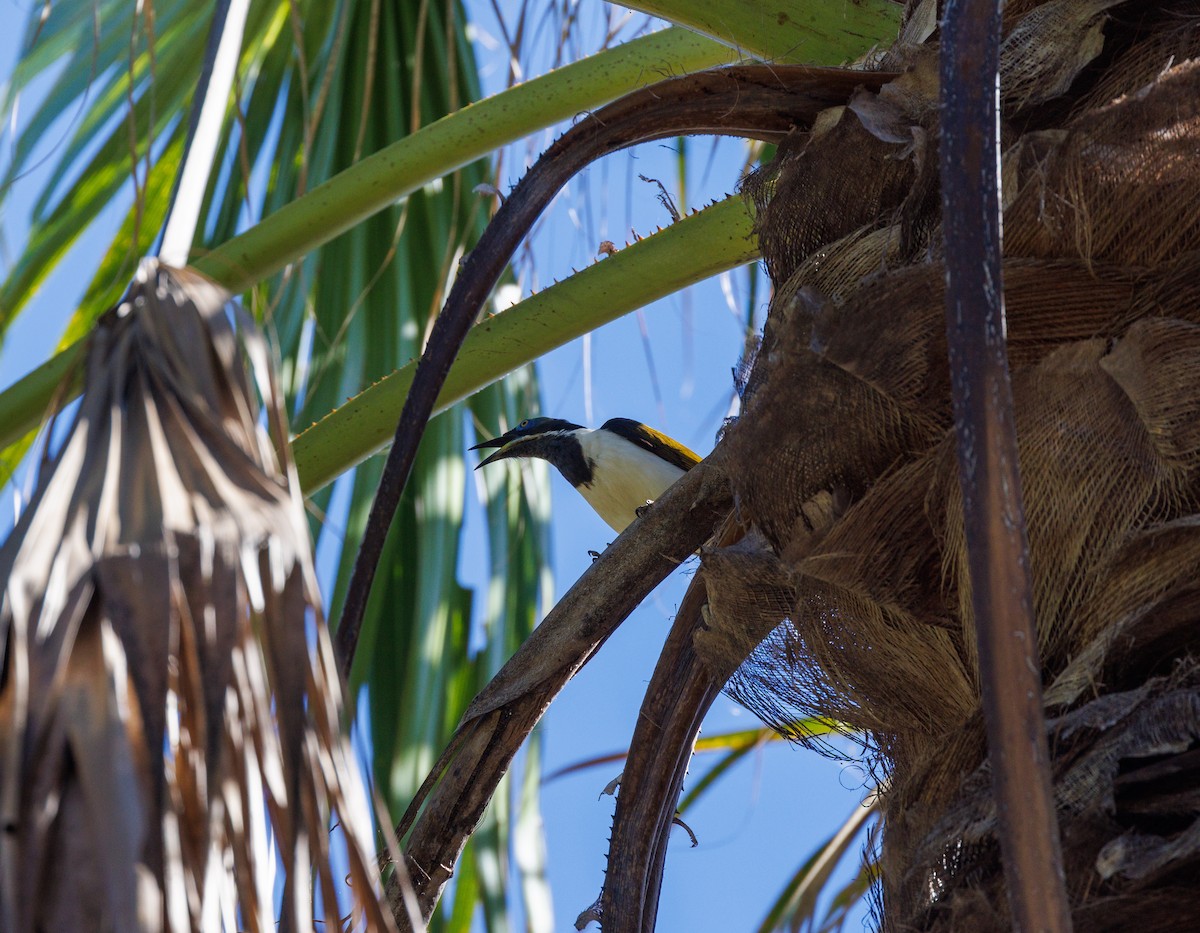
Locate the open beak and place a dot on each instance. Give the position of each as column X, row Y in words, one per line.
column 507, row 444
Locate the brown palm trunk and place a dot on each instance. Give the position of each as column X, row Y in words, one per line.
column 1100, row 134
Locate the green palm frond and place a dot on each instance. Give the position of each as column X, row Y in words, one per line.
column 321, row 86
column 797, row 905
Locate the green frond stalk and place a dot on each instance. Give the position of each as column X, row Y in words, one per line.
column 802, row 32
column 394, row 172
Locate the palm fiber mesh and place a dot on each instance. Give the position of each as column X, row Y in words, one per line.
column 850, row 599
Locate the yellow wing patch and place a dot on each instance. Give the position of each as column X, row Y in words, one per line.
column 654, row 441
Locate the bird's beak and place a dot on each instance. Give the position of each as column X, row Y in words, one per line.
column 506, row 442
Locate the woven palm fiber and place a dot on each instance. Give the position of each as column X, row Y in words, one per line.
column 850, row 599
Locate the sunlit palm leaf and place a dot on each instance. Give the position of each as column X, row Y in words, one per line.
column 157, row 685
column 321, row 85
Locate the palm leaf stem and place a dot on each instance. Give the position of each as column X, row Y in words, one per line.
column 396, row 171
column 204, row 129
column 795, row 31
column 993, row 510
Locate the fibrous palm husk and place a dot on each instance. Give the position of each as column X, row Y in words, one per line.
column 169, row 706
column 844, row 460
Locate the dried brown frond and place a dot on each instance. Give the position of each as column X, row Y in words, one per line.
column 169, row 706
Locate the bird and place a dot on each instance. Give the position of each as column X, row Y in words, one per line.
column 619, row 468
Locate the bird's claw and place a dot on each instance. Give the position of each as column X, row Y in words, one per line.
column 643, row 509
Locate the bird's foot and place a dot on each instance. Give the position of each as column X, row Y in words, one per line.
column 643, row 509
column 595, row 555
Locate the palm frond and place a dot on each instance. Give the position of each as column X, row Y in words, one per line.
column 796, row 907
column 166, row 681
column 320, row 87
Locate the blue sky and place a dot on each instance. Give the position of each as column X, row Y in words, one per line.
column 670, row 368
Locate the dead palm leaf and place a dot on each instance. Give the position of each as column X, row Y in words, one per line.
column 169, row 709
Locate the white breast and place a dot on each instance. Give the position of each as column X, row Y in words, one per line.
column 624, row 476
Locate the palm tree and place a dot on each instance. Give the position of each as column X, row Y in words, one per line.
column 854, row 541
column 328, row 329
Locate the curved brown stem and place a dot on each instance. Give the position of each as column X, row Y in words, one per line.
column 451, row 801
column 678, row 697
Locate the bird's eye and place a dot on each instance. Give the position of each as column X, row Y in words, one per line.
column 524, row 424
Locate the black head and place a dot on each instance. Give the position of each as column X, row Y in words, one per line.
column 547, row 438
